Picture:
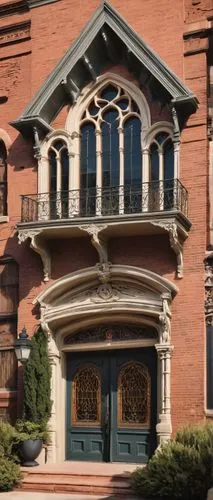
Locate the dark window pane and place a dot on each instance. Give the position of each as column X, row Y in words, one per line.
column 93, row 109
column 88, row 169
column 168, row 150
column 53, row 171
column 8, row 287
column 123, row 104
column 161, row 137
column 58, row 144
column 110, row 149
column 154, row 162
column 132, row 152
column 64, row 170
column 109, row 93
column 8, row 369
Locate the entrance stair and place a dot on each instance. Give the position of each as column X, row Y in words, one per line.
column 91, row 478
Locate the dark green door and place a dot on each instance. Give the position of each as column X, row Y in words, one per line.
column 111, row 405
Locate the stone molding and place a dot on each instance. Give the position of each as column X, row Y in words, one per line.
column 15, row 33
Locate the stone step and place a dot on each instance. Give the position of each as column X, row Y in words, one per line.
column 66, row 482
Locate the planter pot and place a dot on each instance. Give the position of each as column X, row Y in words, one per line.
column 30, row 450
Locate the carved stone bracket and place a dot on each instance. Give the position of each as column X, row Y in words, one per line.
column 36, row 245
column 209, row 289
column 175, row 242
column 97, row 240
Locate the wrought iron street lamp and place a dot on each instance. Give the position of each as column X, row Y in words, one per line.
column 23, row 346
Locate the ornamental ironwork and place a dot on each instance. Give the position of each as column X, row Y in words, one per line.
column 86, row 396
column 134, row 395
column 113, row 333
column 98, row 202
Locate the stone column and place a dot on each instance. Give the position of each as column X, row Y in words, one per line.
column 52, row 424
column 164, row 426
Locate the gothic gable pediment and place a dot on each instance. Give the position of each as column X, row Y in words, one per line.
column 107, row 38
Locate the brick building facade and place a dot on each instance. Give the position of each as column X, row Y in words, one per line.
column 106, row 133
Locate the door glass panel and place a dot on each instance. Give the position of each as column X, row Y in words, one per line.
column 134, row 395
column 86, row 396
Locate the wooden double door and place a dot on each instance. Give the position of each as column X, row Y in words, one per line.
column 111, row 405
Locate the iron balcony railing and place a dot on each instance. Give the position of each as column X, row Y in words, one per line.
column 156, row 196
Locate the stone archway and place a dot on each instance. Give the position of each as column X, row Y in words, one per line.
column 106, row 294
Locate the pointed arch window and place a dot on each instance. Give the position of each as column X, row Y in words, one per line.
column 161, row 159
column 58, row 179
column 110, row 154
column 107, row 171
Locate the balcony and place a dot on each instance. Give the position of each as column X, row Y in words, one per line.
column 154, row 207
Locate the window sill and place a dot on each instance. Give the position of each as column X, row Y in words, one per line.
column 209, row 413
column 4, row 218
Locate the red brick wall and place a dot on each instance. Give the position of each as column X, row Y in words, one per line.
column 24, row 66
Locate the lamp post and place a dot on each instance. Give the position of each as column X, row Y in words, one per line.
column 23, row 346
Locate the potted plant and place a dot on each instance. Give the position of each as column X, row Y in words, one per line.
column 30, row 438
column 32, row 429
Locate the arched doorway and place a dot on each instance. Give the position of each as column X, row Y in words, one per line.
column 111, row 395
column 117, row 297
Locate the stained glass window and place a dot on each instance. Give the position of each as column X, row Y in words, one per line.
column 134, row 395
column 86, row 396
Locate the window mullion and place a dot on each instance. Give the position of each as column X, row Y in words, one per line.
column 145, row 180
column 161, row 179
column 98, row 173
column 58, row 185
column 121, row 173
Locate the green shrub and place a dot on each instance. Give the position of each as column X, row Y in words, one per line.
column 37, row 376
column 8, row 437
column 10, row 475
column 31, row 430
column 181, row 468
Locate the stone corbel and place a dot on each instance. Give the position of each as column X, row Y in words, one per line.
column 97, row 240
column 39, row 248
column 175, row 243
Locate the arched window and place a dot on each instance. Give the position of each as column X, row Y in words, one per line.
column 86, row 396
column 134, row 393
column 161, row 193
column 110, row 154
column 111, row 168
column 58, row 179
column 3, row 179
column 8, row 332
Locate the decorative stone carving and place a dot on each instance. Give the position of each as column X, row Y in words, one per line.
column 105, row 293
column 97, row 240
column 165, row 320
column 35, row 244
column 175, row 243
column 14, row 33
column 103, row 272
column 37, row 145
column 209, row 289
column 113, row 333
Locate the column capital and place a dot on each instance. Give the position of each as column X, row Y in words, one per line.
column 164, row 350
